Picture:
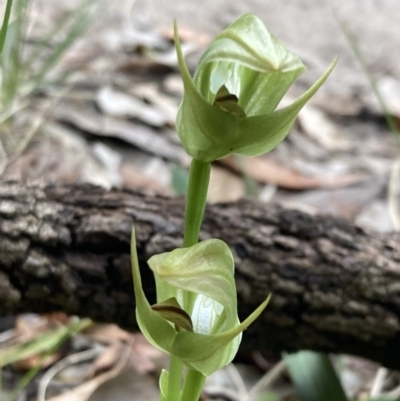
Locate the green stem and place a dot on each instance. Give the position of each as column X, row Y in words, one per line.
column 174, row 379
column 193, row 385
column 196, row 198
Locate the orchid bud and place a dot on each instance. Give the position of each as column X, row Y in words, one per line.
column 229, row 105
column 204, row 335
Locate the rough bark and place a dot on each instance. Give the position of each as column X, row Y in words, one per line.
column 335, row 287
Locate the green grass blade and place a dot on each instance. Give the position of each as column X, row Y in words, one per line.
column 82, row 19
column 382, row 399
column 269, row 397
column 372, row 81
column 4, row 27
column 9, row 64
column 59, row 27
column 11, row 56
column 23, row 382
column 46, row 342
column 314, row 377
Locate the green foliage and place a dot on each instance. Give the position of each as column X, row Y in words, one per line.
column 22, row 71
column 314, row 377
column 46, row 342
column 269, row 397
column 381, row 399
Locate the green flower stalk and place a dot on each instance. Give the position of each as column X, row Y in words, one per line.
column 229, row 105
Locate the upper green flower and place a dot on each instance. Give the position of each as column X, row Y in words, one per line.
column 229, row 106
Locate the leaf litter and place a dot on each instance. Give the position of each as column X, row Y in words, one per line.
column 113, row 125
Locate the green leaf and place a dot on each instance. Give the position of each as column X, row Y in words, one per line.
column 269, row 397
column 314, row 377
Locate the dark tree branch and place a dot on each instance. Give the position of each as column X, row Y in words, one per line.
column 335, row 287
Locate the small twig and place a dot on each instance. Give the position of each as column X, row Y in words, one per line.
column 69, row 360
column 393, row 192
column 378, row 382
column 267, row 380
column 393, row 394
column 239, row 383
column 7, row 335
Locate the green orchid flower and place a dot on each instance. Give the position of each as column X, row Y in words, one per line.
column 229, row 105
column 203, row 331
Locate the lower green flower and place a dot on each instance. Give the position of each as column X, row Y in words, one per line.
column 195, row 318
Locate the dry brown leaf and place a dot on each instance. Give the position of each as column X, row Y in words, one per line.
column 85, row 390
column 145, row 67
column 108, row 359
column 108, row 333
column 389, row 88
column 173, row 84
column 58, row 318
column 144, row 355
column 318, row 126
column 141, row 136
column 37, row 360
column 189, row 35
column 29, row 327
column 165, row 104
column 266, row 170
column 120, row 104
column 225, row 186
column 133, row 179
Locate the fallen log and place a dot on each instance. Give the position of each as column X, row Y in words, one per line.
column 335, row 286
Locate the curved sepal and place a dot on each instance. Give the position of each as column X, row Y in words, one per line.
column 260, row 134
column 200, row 124
column 163, row 384
column 156, row 329
column 208, row 353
